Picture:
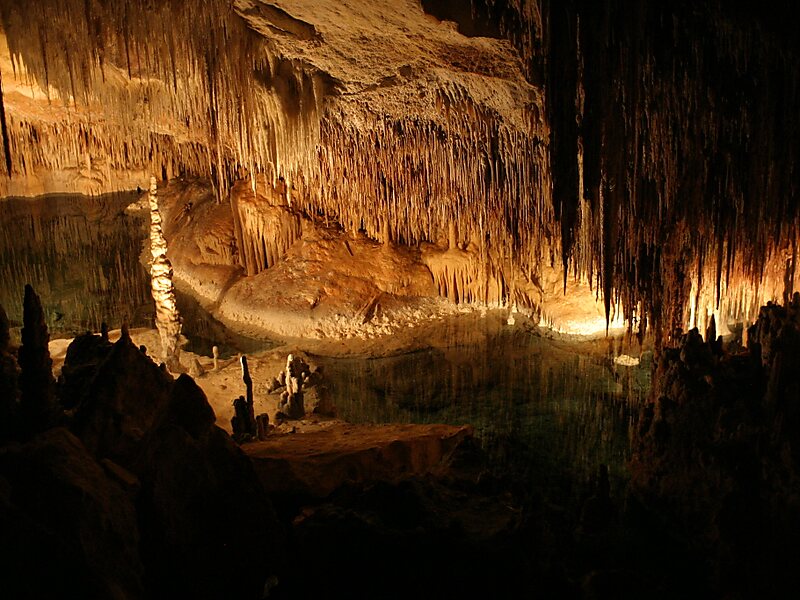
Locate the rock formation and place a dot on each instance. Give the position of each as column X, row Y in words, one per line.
column 84, row 356
column 168, row 320
column 122, row 397
column 293, row 377
column 68, row 529
column 208, row 527
column 612, row 144
column 37, row 407
column 717, row 451
column 142, row 497
column 374, row 152
column 243, row 423
column 9, row 387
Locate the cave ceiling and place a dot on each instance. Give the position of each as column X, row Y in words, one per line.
column 649, row 149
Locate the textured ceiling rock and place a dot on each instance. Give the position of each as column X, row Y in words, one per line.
column 650, row 150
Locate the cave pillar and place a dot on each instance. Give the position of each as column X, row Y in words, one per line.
column 168, row 320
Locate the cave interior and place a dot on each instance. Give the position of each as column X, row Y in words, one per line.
column 393, row 298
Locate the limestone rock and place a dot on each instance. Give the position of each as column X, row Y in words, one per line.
column 66, row 530
column 203, row 513
column 209, row 528
column 121, row 403
column 195, row 368
column 37, row 402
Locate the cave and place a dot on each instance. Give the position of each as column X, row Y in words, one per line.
column 399, row 298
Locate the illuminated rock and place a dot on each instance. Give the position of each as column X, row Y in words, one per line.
column 294, row 376
column 612, row 153
column 168, row 320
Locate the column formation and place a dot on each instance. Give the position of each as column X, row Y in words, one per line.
column 168, row 320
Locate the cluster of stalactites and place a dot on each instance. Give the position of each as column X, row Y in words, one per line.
column 671, row 172
column 168, row 320
column 736, row 296
column 199, row 91
column 267, row 233
column 463, row 275
column 408, row 181
column 202, row 94
column 675, row 137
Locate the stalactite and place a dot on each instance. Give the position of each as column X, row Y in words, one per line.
column 562, row 88
column 655, row 163
column 166, row 90
column 168, row 320
column 268, row 226
column 4, row 130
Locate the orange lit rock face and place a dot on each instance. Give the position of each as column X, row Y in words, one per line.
column 648, row 152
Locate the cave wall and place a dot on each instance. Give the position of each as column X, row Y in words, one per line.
column 687, row 139
column 649, row 150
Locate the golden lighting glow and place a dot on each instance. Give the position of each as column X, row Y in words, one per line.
column 739, row 297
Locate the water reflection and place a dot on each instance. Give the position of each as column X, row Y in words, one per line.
column 81, row 254
column 203, row 332
column 84, row 257
column 529, row 399
column 534, row 403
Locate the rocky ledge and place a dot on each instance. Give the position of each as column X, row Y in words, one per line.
column 326, row 455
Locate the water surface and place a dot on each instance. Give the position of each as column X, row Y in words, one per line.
column 544, row 403
column 81, row 255
column 535, row 403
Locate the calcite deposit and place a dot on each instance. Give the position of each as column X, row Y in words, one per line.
column 647, row 153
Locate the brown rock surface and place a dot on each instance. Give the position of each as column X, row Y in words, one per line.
column 208, row 527
column 66, row 529
column 319, row 458
column 121, row 403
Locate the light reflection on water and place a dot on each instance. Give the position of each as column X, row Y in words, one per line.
column 81, row 254
column 529, row 398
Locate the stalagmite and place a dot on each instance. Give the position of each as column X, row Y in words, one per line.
column 168, row 320
column 292, row 405
column 243, row 422
column 37, row 408
column 247, row 380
